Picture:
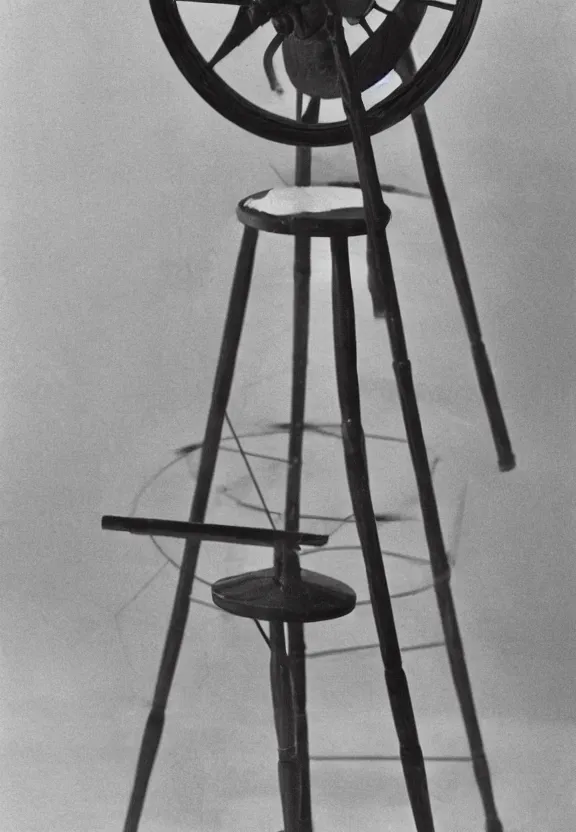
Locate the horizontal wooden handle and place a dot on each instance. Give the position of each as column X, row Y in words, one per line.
column 211, row 531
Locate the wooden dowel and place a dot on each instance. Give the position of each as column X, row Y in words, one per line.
column 283, row 705
column 359, row 486
column 211, row 532
column 407, row 70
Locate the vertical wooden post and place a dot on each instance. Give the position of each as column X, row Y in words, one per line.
column 296, row 641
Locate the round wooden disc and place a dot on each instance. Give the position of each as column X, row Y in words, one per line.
column 314, row 211
column 259, row 595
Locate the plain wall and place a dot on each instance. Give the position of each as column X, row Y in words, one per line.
column 118, row 238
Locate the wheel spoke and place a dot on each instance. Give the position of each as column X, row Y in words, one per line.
column 271, row 50
column 366, row 27
column 244, row 25
column 312, row 111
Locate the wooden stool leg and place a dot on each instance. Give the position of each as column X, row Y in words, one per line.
column 284, row 719
column 209, row 453
column 438, row 556
column 375, row 220
column 300, row 340
column 506, row 462
column 358, row 481
column 288, row 679
column 297, row 646
column 289, row 685
column 374, row 284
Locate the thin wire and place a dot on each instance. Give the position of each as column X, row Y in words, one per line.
column 258, row 456
column 400, row 555
column 320, row 428
column 425, row 646
column 167, row 559
column 189, row 449
column 384, row 517
column 196, row 446
column 186, row 450
column 181, row 452
column 280, row 177
column 202, row 581
column 341, row 524
column 283, row 658
column 117, row 615
column 411, row 592
column 282, row 427
column 250, row 471
column 139, row 592
column 275, row 429
column 164, row 554
column 205, row 604
column 378, row 758
column 147, row 484
column 356, row 648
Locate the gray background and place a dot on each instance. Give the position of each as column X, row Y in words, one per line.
column 118, row 239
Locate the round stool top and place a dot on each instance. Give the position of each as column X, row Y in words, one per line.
column 315, row 211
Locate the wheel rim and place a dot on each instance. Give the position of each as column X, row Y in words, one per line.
column 255, row 119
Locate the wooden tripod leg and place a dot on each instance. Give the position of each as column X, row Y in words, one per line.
column 376, row 219
column 300, row 340
column 358, row 481
column 289, row 685
column 209, row 453
column 438, row 556
column 283, row 704
column 297, row 645
column 406, row 70
column 374, row 285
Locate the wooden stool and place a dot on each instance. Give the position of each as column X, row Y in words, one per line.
column 286, row 595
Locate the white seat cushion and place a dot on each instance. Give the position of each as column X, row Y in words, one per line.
column 317, row 199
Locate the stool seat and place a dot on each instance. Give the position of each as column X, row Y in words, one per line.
column 315, row 211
